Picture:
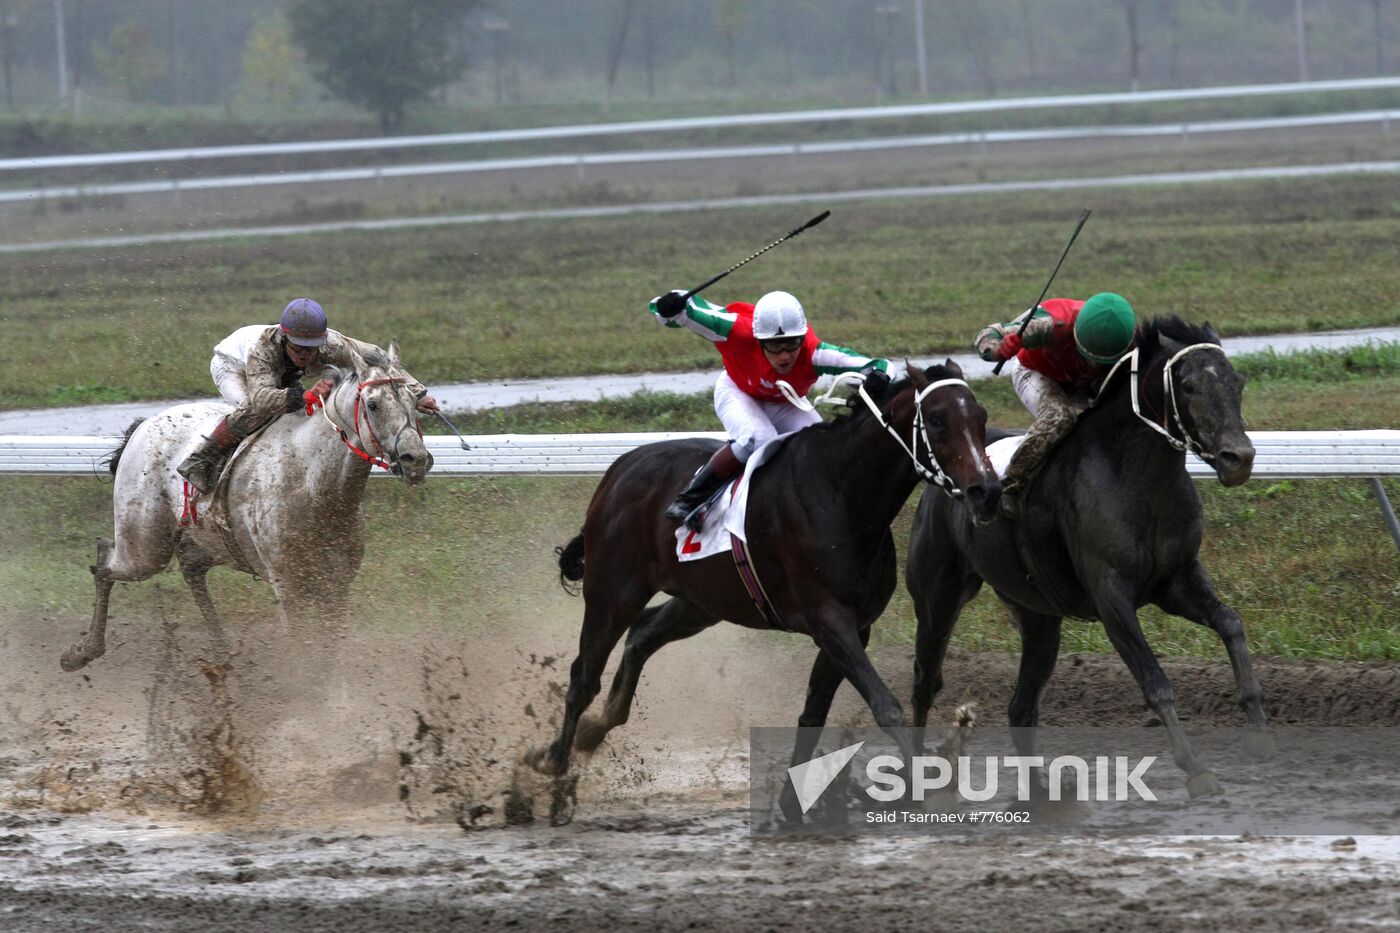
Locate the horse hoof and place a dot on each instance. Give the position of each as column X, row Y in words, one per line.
column 541, row 761
column 1259, row 745
column 74, row 658
column 563, row 801
column 1203, row 784
column 519, row 809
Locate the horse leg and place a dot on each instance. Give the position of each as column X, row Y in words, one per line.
column 138, row 554
column 939, row 596
column 1040, row 648
column 825, row 678
column 659, row 626
column 603, row 624
column 839, row 635
column 195, row 563
column 1192, row 597
column 1121, row 624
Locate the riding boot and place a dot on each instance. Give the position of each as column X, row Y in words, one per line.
column 203, row 467
column 707, row 481
column 1045, row 432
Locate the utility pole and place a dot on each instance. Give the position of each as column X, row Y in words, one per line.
column 1300, row 21
column 920, row 50
column 62, row 50
column 497, row 29
column 170, row 51
column 889, row 13
column 7, row 25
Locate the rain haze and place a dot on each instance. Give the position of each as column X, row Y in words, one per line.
column 299, row 699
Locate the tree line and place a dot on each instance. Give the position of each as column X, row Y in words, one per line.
column 385, row 56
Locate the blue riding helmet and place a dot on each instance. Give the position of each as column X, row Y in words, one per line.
column 304, row 323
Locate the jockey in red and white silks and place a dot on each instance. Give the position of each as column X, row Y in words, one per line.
column 760, row 344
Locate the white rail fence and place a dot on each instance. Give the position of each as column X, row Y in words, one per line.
column 581, row 161
column 688, row 123
column 1366, row 455
column 1279, row 454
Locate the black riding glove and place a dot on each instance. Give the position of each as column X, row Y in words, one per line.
column 876, row 380
column 671, row 304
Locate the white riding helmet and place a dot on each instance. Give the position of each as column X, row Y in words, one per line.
column 778, row 314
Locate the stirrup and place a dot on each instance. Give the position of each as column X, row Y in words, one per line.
column 195, row 471
column 695, row 521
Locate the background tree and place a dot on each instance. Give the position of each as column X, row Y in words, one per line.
column 273, row 72
column 381, row 54
column 617, row 41
column 130, row 60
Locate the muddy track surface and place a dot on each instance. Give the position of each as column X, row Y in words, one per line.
column 364, row 789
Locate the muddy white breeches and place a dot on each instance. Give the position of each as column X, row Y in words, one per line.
column 750, row 422
column 229, row 377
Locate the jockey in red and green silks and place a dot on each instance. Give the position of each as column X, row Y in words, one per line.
column 1061, row 359
column 760, row 344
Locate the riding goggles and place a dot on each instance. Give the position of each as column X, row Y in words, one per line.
column 782, row 344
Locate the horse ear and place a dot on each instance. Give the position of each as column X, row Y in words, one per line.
column 394, row 353
column 917, row 377
column 953, row 368
column 1211, row 332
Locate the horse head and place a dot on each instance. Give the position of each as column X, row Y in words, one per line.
column 948, row 432
column 1192, row 395
column 377, row 416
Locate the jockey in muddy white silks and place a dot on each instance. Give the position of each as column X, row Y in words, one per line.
column 1062, row 356
column 760, row 344
column 258, row 369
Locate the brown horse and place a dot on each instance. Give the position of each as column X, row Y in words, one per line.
column 819, row 515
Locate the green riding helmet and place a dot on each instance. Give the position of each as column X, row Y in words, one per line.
column 1104, row 328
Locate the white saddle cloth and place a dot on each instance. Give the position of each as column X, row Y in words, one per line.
column 1001, row 452
column 726, row 514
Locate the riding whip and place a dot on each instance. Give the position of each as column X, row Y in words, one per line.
column 996, row 370
column 453, row 429
column 788, row 236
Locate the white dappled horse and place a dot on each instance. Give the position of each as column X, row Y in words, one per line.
column 289, row 510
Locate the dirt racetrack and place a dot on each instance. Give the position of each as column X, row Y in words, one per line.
column 364, row 791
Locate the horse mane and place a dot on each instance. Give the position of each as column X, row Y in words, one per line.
column 858, row 410
column 377, row 358
column 1173, row 328
column 1152, row 332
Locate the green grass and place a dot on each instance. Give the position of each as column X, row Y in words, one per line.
column 549, row 299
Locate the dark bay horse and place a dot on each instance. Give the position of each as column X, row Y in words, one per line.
column 819, row 515
column 1112, row 523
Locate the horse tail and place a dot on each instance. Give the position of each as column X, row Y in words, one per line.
column 571, row 564
column 116, row 454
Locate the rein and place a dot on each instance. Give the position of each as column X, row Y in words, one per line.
column 919, row 429
column 1169, row 403
column 377, row 458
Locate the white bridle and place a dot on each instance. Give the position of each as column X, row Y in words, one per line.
column 1169, row 403
column 937, row 476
